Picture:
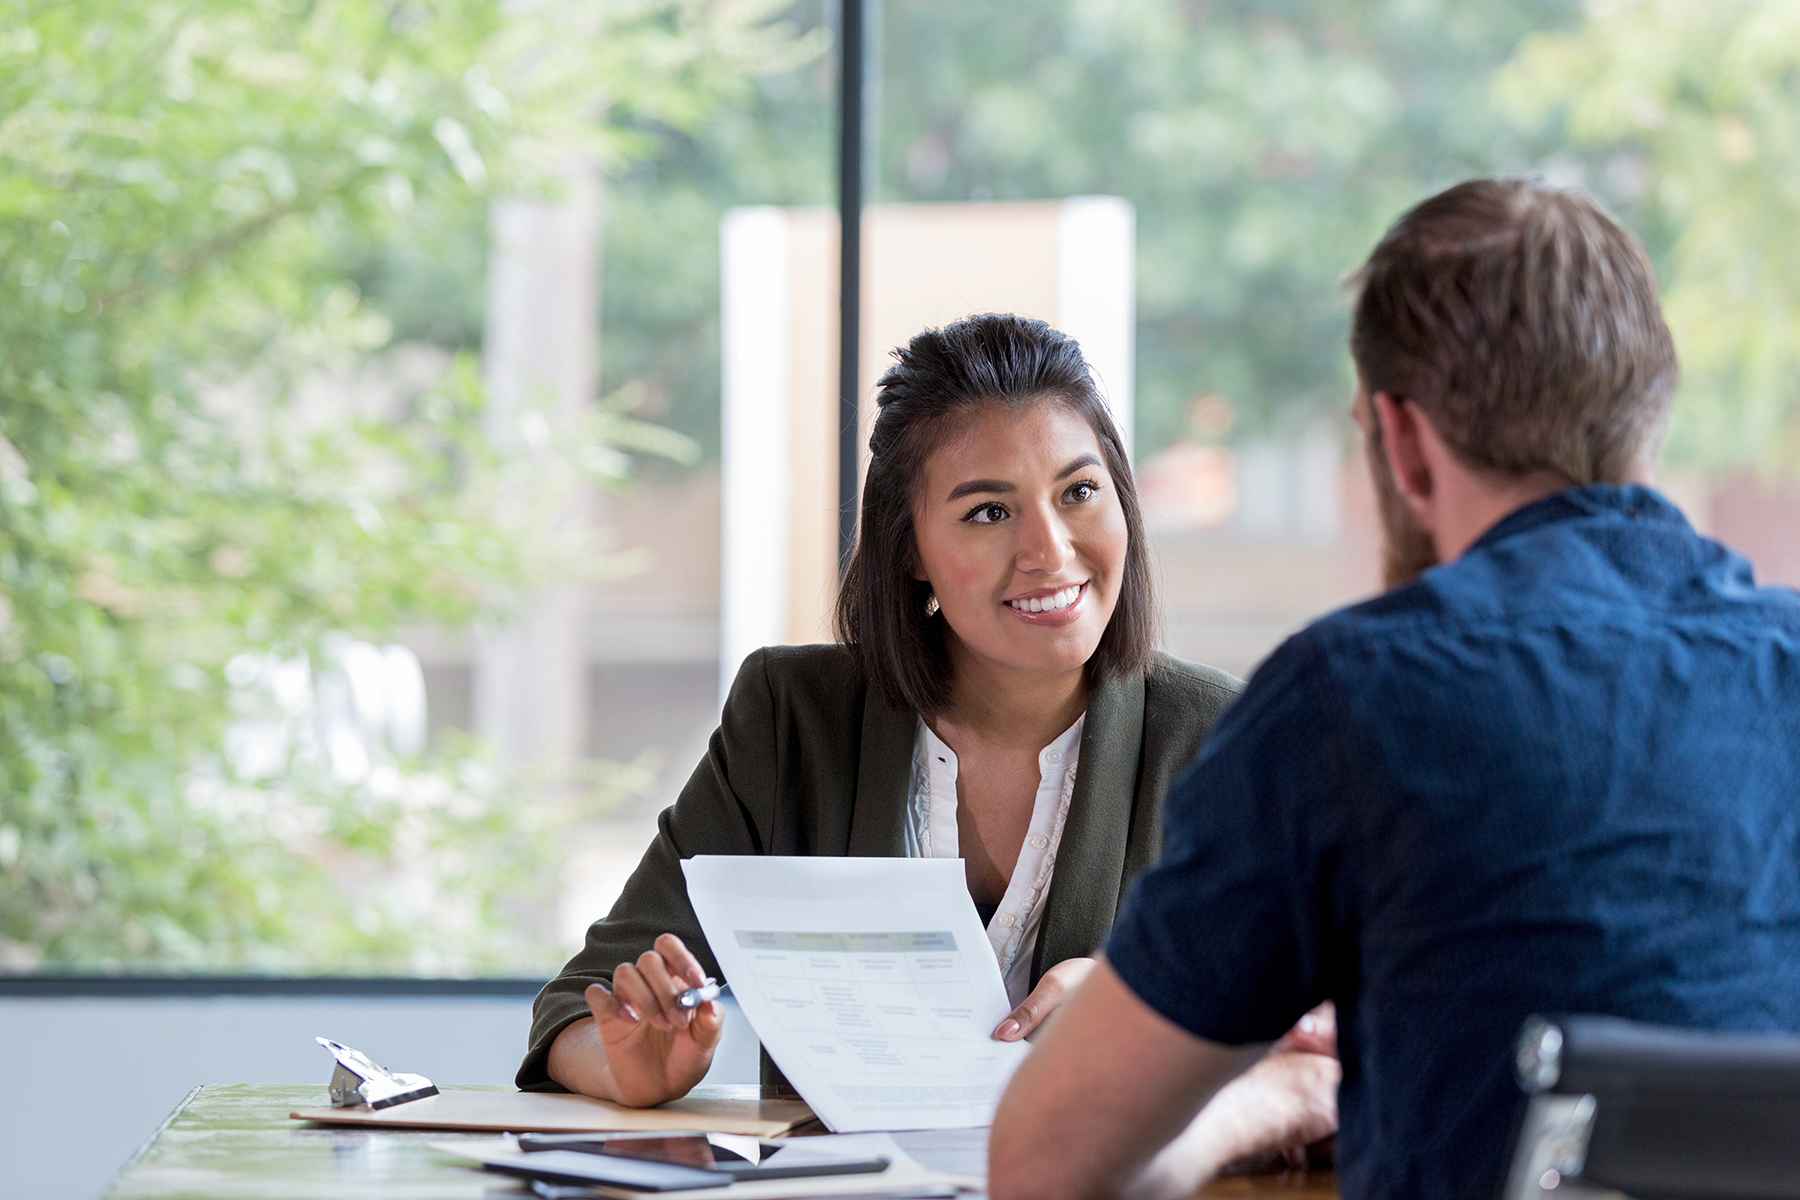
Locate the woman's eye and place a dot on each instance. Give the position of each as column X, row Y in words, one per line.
column 1082, row 492
column 987, row 514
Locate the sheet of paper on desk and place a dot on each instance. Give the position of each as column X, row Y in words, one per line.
column 869, row 980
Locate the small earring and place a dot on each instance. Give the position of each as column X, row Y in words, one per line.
column 931, row 605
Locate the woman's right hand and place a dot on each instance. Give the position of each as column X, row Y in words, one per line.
column 642, row 1048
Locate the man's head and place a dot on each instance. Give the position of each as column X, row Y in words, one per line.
column 1516, row 328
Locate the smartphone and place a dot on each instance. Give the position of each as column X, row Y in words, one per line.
column 843, row 1166
column 693, row 1151
column 688, row 1149
column 569, row 1166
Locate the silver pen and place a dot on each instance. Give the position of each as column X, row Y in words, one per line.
column 695, row 997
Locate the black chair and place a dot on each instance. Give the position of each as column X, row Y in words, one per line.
column 1655, row 1113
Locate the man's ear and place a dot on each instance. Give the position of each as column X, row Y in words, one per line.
column 1402, row 444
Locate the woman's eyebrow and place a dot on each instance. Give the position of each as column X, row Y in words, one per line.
column 971, row 486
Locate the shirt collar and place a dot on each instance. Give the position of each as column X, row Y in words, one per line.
column 1057, row 759
column 1633, row 501
column 1060, row 756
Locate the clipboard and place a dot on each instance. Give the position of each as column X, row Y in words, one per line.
column 726, row 1109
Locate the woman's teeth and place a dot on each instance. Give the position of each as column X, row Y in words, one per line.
column 1055, row 603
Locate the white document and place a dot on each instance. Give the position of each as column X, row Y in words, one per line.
column 869, row 980
column 836, row 1147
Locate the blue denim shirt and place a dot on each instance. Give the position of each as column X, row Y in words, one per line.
column 1561, row 774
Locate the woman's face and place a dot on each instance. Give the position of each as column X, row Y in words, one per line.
column 1022, row 537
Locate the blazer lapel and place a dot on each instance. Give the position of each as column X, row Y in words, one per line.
column 1090, row 859
column 883, row 778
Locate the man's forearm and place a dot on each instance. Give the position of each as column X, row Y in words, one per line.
column 1109, row 1084
column 1288, row 1099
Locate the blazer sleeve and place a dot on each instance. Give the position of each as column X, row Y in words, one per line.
column 725, row 808
column 1182, row 703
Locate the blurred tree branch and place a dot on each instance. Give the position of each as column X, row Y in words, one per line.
column 1700, row 101
column 193, row 473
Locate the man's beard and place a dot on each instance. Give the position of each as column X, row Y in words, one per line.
column 1407, row 551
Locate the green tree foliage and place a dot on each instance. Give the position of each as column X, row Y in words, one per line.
column 193, row 489
column 660, row 319
column 1694, row 110
column 1264, row 143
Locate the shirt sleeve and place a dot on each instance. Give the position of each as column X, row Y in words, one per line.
column 719, row 811
column 1230, row 935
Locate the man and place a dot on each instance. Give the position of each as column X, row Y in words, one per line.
column 1559, row 772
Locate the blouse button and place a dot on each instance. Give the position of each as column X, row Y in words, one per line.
column 1007, row 919
column 1054, row 756
column 1039, row 841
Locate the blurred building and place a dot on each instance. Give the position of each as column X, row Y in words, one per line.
column 1254, row 537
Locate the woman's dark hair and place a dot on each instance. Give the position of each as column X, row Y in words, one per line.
column 942, row 376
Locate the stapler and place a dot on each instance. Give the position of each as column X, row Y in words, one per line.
column 358, row 1081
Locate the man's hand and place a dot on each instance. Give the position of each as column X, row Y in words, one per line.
column 641, row 1048
column 1050, row 992
column 1111, row 1082
column 1276, row 1108
column 1316, row 1031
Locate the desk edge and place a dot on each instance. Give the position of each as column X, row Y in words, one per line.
column 150, row 1141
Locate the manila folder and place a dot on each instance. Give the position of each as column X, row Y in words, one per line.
column 717, row 1109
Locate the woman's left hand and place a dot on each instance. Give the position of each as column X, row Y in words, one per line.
column 1058, row 983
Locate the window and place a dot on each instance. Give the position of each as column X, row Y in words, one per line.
column 360, row 407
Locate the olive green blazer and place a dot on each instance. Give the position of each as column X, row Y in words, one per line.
column 806, row 760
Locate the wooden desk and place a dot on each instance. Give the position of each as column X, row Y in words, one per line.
column 235, row 1142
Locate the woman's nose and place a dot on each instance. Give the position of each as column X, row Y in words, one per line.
column 1044, row 543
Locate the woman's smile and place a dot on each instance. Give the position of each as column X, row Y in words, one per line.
column 1059, row 606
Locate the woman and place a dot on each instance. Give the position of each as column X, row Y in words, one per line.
column 996, row 698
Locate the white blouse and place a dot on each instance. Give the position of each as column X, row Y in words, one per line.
column 931, row 833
